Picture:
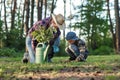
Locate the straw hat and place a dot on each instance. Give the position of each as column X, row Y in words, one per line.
column 59, row 19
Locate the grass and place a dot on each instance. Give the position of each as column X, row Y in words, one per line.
column 108, row 65
column 111, row 77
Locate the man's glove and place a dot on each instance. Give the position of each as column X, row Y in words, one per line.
column 25, row 58
column 80, row 58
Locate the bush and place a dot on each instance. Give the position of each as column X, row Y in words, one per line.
column 102, row 50
column 62, row 49
column 9, row 52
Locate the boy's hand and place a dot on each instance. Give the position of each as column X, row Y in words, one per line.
column 80, row 58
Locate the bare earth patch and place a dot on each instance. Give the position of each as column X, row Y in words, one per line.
column 73, row 73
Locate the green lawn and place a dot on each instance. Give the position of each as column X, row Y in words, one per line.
column 95, row 68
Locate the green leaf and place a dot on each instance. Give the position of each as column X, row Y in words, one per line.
column 42, row 34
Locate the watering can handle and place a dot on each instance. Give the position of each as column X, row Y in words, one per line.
column 40, row 45
column 46, row 51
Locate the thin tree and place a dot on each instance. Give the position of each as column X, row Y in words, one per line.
column 32, row 12
column 22, row 26
column 53, row 5
column 39, row 9
column 0, row 8
column 26, row 25
column 13, row 11
column 117, row 18
column 111, row 24
column 5, row 20
column 45, row 8
column 64, row 17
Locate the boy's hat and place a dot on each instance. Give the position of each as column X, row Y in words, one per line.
column 71, row 36
column 59, row 19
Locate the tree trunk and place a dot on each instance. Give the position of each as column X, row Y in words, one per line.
column 22, row 26
column 111, row 25
column 0, row 9
column 13, row 15
column 116, row 7
column 26, row 26
column 64, row 18
column 6, row 27
column 52, row 6
column 45, row 8
column 32, row 12
column 39, row 8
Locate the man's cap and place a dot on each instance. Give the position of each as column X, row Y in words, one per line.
column 71, row 36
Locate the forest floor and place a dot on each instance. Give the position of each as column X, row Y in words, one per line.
column 105, row 67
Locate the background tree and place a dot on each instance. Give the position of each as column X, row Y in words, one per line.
column 111, row 24
column 13, row 11
column 5, row 18
column 92, row 18
column 93, row 24
column 32, row 12
column 1, row 30
column 26, row 24
column 45, row 3
column 117, row 18
column 53, row 5
column 39, row 9
column 22, row 21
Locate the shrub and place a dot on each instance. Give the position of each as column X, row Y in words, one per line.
column 62, row 49
column 9, row 52
column 102, row 50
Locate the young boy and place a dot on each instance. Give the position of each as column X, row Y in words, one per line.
column 76, row 48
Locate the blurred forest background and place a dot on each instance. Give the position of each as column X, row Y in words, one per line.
column 97, row 23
